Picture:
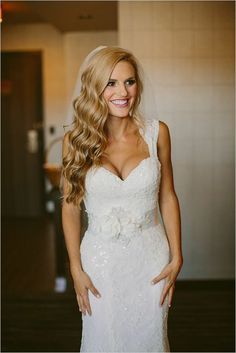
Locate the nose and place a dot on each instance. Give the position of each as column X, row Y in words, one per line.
column 122, row 90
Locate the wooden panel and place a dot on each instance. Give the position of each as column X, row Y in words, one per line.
column 22, row 106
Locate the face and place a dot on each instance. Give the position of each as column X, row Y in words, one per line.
column 121, row 90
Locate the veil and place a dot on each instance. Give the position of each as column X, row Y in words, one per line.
column 147, row 106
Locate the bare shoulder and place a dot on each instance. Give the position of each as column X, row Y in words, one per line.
column 164, row 135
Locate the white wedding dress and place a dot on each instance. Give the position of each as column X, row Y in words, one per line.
column 122, row 250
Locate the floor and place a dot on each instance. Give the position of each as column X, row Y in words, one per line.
column 37, row 319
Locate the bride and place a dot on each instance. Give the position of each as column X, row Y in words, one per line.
column 119, row 163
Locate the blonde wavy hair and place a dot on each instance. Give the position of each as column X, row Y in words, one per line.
column 87, row 140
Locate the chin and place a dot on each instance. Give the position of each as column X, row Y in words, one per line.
column 120, row 114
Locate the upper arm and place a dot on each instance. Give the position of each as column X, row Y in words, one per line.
column 164, row 155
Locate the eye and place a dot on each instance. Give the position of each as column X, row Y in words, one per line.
column 111, row 83
column 130, row 82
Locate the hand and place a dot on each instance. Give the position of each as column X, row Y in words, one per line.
column 82, row 283
column 170, row 272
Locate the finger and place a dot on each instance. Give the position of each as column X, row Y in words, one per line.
column 95, row 291
column 82, row 306
column 163, row 295
column 161, row 276
column 79, row 302
column 87, row 304
column 170, row 296
column 83, row 302
column 165, row 291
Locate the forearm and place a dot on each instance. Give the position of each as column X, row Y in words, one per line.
column 170, row 212
column 72, row 228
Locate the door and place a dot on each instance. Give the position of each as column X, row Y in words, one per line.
column 23, row 188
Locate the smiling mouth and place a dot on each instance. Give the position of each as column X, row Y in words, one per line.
column 120, row 103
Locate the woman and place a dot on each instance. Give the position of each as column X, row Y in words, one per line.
column 119, row 164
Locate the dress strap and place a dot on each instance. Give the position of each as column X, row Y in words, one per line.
column 152, row 132
column 151, row 136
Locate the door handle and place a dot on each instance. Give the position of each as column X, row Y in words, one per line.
column 32, row 141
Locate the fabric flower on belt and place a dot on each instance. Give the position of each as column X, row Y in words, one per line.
column 117, row 224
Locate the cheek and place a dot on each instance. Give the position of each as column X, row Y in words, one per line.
column 133, row 91
column 107, row 94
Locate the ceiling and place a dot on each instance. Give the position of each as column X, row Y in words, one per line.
column 66, row 16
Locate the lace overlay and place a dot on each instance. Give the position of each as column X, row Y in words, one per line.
column 123, row 248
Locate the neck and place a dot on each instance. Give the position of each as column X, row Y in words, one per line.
column 117, row 128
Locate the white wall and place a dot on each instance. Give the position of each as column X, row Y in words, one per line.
column 188, row 50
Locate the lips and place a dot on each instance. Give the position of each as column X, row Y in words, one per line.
column 120, row 102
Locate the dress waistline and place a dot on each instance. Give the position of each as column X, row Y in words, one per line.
column 120, row 223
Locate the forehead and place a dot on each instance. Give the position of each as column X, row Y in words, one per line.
column 123, row 70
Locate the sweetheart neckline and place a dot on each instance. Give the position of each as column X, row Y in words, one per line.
column 144, row 159
column 137, row 166
column 133, row 170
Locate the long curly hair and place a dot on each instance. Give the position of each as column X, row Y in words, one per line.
column 87, row 140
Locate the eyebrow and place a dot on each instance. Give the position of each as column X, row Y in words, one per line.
column 130, row 78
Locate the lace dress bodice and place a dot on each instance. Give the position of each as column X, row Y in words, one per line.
column 136, row 194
